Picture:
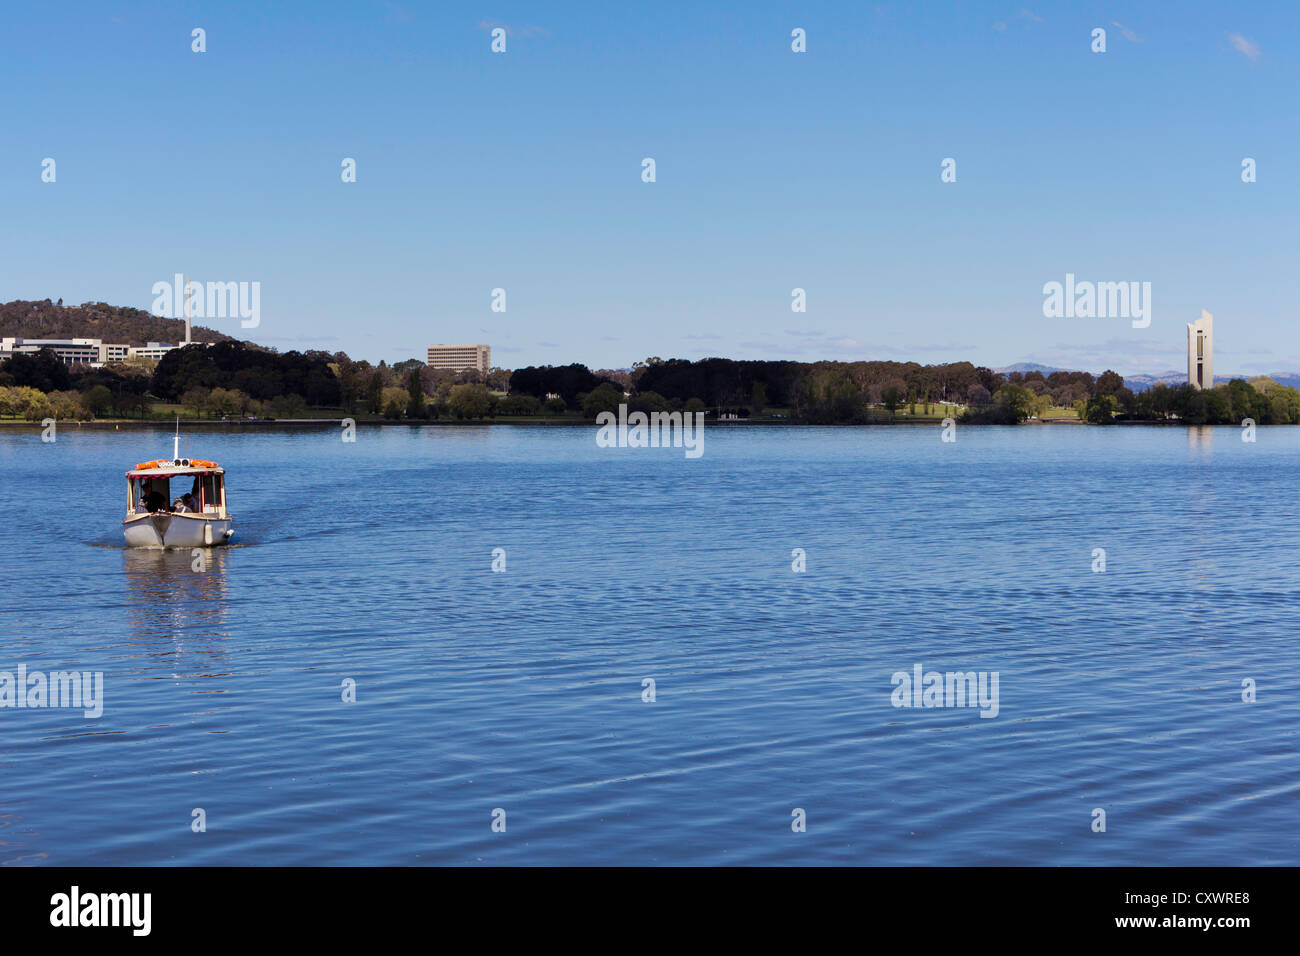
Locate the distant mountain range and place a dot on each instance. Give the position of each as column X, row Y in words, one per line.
column 1140, row 383
column 1023, row 367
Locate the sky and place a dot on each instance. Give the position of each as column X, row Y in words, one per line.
column 774, row 170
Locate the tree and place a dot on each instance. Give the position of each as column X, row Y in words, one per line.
column 415, row 405
column 1014, row 400
column 892, row 397
column 97, row 399
column 1100, row 409
column 470, row 401
column 1161, row 398
column 36, row 405
column 225, row 401
column 375, row 393
column 349, row 375
column 260, row 373
column 1189, row 404
column 195, row 399
column 1218, row 405
column 287, row 406
column 603, row 398
column 567, row 381
column 829, row 396
column 43, row 371
column 1108, row 383
column 520, row 405
column 645, row 402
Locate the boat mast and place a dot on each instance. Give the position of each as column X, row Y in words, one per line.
column 176, row 442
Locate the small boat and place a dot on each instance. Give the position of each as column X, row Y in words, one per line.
column 195, row 518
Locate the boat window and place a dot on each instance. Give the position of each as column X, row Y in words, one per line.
column 205, row 488
column 138, row 491
column 208, row 486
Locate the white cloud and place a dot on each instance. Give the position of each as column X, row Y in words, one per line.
column 1242, row 45
column 1126, row 32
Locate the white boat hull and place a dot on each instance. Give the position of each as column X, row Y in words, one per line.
column 171, row 530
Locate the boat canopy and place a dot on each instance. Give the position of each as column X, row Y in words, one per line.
column 164, row 467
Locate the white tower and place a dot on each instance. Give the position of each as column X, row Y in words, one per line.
column 1200, row 351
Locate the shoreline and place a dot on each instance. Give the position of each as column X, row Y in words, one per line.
column 299, row 424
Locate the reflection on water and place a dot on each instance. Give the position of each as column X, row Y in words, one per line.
column 177, row 596
column 1200, row 439
column 1202, row 509
column 176, row 588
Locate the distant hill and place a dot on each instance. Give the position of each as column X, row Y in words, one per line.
column 1290, row 379
column 96, row 320
column 1142, row 382
column 1023, row 367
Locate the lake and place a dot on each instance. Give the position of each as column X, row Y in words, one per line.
column 523, row 690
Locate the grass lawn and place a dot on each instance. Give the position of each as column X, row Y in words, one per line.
column 1060, row 413
column 935, row 412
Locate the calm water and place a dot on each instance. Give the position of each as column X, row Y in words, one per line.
column 522, row 690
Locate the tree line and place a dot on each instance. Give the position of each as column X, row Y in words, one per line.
column 232, row 378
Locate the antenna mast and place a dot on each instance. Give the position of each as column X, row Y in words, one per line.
column 187, row 310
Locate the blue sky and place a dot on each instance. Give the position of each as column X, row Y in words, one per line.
column 775, row 170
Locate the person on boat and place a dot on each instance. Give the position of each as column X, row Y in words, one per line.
column 152, row 500
column 185, row 504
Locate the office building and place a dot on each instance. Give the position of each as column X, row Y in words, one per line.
column 458, row 357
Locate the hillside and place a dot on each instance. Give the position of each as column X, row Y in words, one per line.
column 1143, row 381
column 1025, row 367
column 96, row 320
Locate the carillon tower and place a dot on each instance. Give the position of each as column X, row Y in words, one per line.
column 1200, row 351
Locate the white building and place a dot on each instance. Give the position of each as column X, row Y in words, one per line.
column 69, row 351
column 92, row 352
column 153, row 350
column 1200, row 351
column 457, row 357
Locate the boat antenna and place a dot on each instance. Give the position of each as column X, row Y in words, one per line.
column 176, row 442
